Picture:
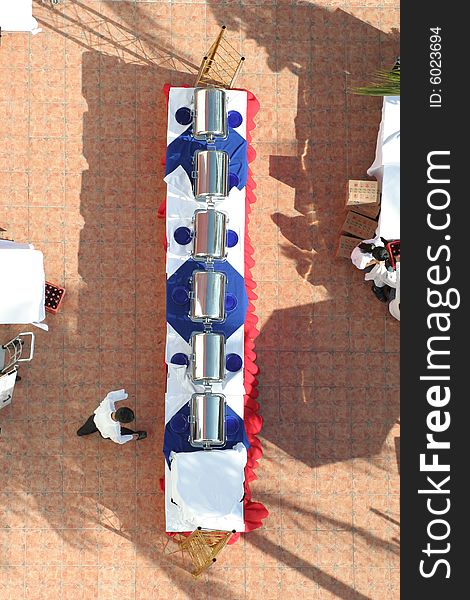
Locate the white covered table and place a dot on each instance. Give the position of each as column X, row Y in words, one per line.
column 22, row 284
column 207, row 488
column 203, row 488
column 17, row 15
column 386, row 169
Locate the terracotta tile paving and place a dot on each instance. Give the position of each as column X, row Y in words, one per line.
column 83, row 134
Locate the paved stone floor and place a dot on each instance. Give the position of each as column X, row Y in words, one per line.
column 82, row 137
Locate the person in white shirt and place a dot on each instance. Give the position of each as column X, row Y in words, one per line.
column 363, row 257
column 373, row 258
column 108, row 421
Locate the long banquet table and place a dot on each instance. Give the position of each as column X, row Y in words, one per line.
column 203, row 488
column 386, row 168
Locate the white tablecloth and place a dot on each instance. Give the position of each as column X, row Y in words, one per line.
column 386, row 168
column 22, row 284
column 207, row 488
column 17, row 15
column 223, row 472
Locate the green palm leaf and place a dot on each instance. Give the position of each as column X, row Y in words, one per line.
column 386, row 83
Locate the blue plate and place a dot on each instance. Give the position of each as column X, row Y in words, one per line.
column 183, row 115
column 230, row 302
column 233, row 362
column 179, row 423
column 234, row 118
column 232, row 238
column 232, row 426
column 180, row 295
column 182, row 235
column 179, row 359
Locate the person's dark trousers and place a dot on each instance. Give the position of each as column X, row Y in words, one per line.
column 88, row 427
column 125, row 431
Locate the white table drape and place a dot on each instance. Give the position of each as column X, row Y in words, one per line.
column 207, row 487
column 203, row 488
column 386, row 168
column 22, row 284
column 17, row 15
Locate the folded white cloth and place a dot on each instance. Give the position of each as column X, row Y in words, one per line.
column 207, row 486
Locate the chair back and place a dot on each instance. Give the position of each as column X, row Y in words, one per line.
column 203, row 546
column 221, row 65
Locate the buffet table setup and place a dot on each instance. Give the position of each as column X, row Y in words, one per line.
column 211, row 447
column 386, row 169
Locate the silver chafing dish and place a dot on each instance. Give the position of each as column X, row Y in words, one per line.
column 208, row 296
column 210, row 235
column 207, row 358
column 207, row 420
column 210, row 174
column 210, row 114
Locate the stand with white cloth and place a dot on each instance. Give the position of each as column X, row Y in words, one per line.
column 22, row 284
column 17, row 15
column 386, row 169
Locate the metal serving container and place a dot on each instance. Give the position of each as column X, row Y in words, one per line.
column 208, row 357
column 211, row 174
column 208, row 296
column 210, row 235
column 210, row 114
column 207, row 420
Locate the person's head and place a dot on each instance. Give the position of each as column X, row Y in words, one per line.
column 380, row 253
column 124, row 415
column 366, row 248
